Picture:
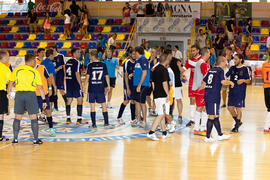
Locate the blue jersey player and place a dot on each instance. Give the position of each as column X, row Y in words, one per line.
column 96, row 76
column 74, row 84
column 239, row 75
column 212, row 84
column 60, row 70
column 128, row 70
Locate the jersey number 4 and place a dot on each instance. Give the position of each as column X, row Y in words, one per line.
column 97, row 75
column 68, row 71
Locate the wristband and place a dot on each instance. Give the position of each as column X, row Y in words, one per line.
column 50, row 88
column 44, row 101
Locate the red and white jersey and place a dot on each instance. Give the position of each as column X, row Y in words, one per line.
column 191, row 63
column 201, row 70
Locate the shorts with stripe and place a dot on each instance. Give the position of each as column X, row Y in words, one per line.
column 238, row 102
column 131, row 97
column 74, row 93
column 212, row 108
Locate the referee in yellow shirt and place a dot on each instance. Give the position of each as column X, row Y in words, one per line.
column 4, row 78
column 26, row 79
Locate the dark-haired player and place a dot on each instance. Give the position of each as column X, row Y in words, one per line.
column 240, row 76
column 96, row 76
column 74, row 85
column 212, row 84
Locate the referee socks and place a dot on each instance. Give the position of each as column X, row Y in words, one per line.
column 16, row 128
column 34, row 126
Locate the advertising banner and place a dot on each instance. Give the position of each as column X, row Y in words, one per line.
column 52, row 6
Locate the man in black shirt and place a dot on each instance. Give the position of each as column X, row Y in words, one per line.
column 32, row 21
column 230, row 28
column 75, row 12
column 219, row 44
column 161, row 82
column 150, row 9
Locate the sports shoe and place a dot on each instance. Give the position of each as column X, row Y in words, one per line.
column 208, row 140
column 78, row 123
column 202, row 133
column 223, row 137
column 172, row 127
column 134, row 123
column 52, row 132
column 68, row 121
column 109, row 126
column 190, row 123
column 153, row 113
column 109, row 105
column 120, row 121
column 180, row 119
column 195, row 132
column 94, row 126
column 37, row 142
column 152, row 136
column 142, row 124
column 166, row 136
column 4, row 138
column 266, row 131
column 223, row 106
column 236, row 127
column 15, row 141
column 150, row 110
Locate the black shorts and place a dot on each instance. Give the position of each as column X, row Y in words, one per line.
column 141, row 96
column 112, row 82
column 53, row 98
column 149, row 90
column 3, row 102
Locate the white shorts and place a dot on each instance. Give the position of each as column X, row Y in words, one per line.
column 162, row 107
column 230, row 36
column 178, row 93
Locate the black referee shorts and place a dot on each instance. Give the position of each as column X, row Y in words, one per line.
column 3, row 102
column 267, row 98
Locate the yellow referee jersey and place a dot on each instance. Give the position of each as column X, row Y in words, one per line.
column 4, row 77
column 26, row 78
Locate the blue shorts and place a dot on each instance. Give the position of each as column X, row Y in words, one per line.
column 96, row 98
column 60, row 84
column 212, row 108
column 74, row 93
column 40, row 102
column 131, row 97
column 234, row 101
column 141, row 96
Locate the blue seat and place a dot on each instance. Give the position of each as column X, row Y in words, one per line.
column 263, row 47
column 123, row 45
column 40, row 37
column 64, row 53
column 59, row 29
column 62, row 22
column 203, row 22
column 5, row 22
column 244, row 31
column 9, row 37
column 22, row 29
column 31, row 52
column 59, row 45
column 92, row 45
column 27, row 45
column 53, row 14
column 10, row 14
column 105, row 36
column 93, row 21
column 72, row 37
column 256, row 39
column 91, row 29
column 115, row 29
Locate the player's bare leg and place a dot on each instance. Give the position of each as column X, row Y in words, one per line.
column 109, row 98
column 224, row 97
column 121, row 111
column 149, row 103
column 180, row 109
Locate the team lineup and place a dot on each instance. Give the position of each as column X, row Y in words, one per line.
column 34, row 88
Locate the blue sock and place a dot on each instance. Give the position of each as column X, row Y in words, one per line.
column 93, row 118
column 106, row 118
column 121, row 111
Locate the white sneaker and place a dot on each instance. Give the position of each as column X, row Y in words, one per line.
column 120, row 121
column 166, row 136
column 109, row 105
column 223, row 137
column 208, row 140
column 141, row 124
column 172, row 128
column 152, row 136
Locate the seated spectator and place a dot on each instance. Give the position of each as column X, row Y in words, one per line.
column 112, row 42
column 150, row 9
column 219, row 44
column 237, row 42
column 47, row 23
column 176, row 53
column 101, row 42
column 160, row 10
column 208, row 41
column 168, row 10
column 100, row 54
column 85, row 23
column 266, row 56
column 32, row 21
column 247, row 52
column 201, row 39
column 210, row 24
column 213, row 58
column 140, row 9
column 126, row 14
column 31, row 6
column 67, row 22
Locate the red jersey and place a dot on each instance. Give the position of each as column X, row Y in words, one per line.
column 126, row 11
column 191, row 63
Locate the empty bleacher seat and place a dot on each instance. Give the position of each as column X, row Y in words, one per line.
column 24, row 14
column 265, row 31
column 256, row 30
column 11, row 45
column 101, row 21
column 115, row 29
column 19, row 22
column 27, row 45
column 3, row 37
column 72, row 37
column 120, row 37
column 30, row 52
column 24, row 37
column 8, row 29
column 64, row 53
column 203, row 22
column 94, row 37
column 47, row 37
column 34, row 45
column 43, row 45
column 118, row 22
column 93, row 22
column 123, row 29
column 261, row 57
column 121, row 53
column 22, row 29
column 265, row 23
column 118, row 45
column 126, row 37
column 84, row 45
column 62, row 22
column 254, row 47
column 59, row 29
column 32, row 37
column 75, row 45
column 53, row 29
column 59, row 45
column 5, row 22
column 14, row 52
column 66, row 45
column 78, row 37
column 254, row 57
column 91, row 29
column 69, row 54
column 92, row 45
column 4, row 45
column 55, row 22
column 55, row 37
column 109, row 22
column 107, row 29
column 256, row 39
column 17, row 14
column 51, row 44
column 263, row 47
column 201, row 28
column 123, row 45
column 40, row 22
column 256, row 23
column 19, row 45
column 3, row 15
column 105, row 36
column 62, row 37
column 10, row 14
column 22, row 53
column 263, row 39
column 99, row 29
column 9, row 37
column 17, row 37
column 87, row 38
column 12, row 22
column 244, row 38
column 53, row 14
column 40, row 37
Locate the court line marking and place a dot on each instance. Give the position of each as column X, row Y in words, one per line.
column 3, row 147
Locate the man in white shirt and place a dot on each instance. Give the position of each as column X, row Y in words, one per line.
column 200, row 41
column 176, row 53
column 268, row 41
column 112, row 42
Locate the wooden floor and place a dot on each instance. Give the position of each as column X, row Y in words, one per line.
column 183, row 156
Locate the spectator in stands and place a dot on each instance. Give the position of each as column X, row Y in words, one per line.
column 85, row 10
column 100, row 53
column 230, row 29
column 213, row 58
column 266, row 56
column 210, row 24
column 237, row 41
column 47, row 23
column 249, row 28
column 67, row 22
column 247, row 52
column 74, row 14
column 150, row 9
column 219, row 44
column 208, row 41
column 31, row 6
column 140, row 9
column 32, row 21
column 85, row 23
column 201, row 39
column 86, row 57
column 176, row 53
column 146, row 46
column 220, row 27
column 268, row 42
column 160, row 10
column 126, row 14
column 168, row 10
column 112, row 42
column 101, row 42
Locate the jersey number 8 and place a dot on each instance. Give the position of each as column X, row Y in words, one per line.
column 210, row 79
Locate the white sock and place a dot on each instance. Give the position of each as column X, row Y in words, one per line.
column 204, row 121
column 192, row 109
column 267, row 121
column 197, row 118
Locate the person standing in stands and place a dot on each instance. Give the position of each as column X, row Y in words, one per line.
column 112, row 42
column 248, row 29
column 47, row 24
column 31, row 5
column 101, row 42
column 126, row 14
column 210, row 24
column 75, row 14
column 150, row 9
column 176, row 53
column 230, row 29
column 67, row 31
column 160, row 10
column 32, row 20
column 219, row 44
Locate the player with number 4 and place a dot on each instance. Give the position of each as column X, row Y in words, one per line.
column 96, row 76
